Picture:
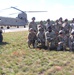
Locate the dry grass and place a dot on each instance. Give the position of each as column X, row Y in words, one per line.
column 17, row 59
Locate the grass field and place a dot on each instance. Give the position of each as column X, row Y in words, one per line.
column 17, row 59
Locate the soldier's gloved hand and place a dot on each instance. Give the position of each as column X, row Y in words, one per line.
column 60, row 43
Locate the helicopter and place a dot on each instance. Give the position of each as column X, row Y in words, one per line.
column 20, row 20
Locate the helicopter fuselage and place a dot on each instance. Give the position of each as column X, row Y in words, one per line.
column 20, row 20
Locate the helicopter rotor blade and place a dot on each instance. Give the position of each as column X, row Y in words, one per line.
column 17, row 9
column 4, row 9
column 35, row 11
column 13, row 13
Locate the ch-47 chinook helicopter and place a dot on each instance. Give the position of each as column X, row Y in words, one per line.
column 20, row 20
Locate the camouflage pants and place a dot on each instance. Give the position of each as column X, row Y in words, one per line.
column 61, row 46
column 71, row 46
column 31, row 42
column 1, row 38
column 42, row 41
column 50, row 44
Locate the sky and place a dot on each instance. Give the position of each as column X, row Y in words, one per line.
column 55, row 9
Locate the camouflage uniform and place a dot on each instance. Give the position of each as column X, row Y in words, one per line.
column 71, row 41
column 33, row 25
column 1, row 37
column 61, row 40
column 41, row 36
column 31, row 37
column 60, row 22
column 72, row 24
column 50, row 37
column 48, row 24
column 56, row 27
column 41, row 25
column 66, row 28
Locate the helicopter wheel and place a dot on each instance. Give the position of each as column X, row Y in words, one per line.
column 8, row 27
column 17, row 26
column 1, row 27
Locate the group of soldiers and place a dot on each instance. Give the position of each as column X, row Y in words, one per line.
column 59, row 35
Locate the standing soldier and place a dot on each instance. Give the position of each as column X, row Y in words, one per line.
column 33, row 25
column 60, row 22
column 72, row 24
column 66, row 27
column 31, row 38
column 50, row 37
column 56, row 27
column 41, row 25
column 71, row 41
column 1, row 36
column 48, row 24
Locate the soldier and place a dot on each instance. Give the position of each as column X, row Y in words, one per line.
column 41, row 25
column 61, row 41
column 72, row 24
column 60, row 22
column 71, row 41
column 48, row 24
column 31, row 38
column 56, row 27
column 33, row 24
column 1, row 36
column 41, row 37
column 50, row 37
column 66, row 27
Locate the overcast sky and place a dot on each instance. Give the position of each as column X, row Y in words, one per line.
column 55, row 8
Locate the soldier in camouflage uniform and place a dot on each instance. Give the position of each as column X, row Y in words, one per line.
column 50, row 37
column 41, row 37
column 1, row 36
column 31, row 38
column 72, row 24
column 33, row 25
column 48, row 24
column 56, row 27
column 60, row 22
column 41, row 25
column 66, row 27
column 71, row 41
column 61, row 41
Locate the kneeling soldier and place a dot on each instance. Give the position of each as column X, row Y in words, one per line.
column 61, row 41
column 41, row 36
column 50, row 37
column 31, row 38
column 71, row 41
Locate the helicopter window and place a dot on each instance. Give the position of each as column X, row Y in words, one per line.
column 21, row 18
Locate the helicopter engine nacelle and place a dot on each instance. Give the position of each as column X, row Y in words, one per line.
column 23, row 16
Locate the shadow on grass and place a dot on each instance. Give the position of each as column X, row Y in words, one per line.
column 3, row 43
column 51, row 49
